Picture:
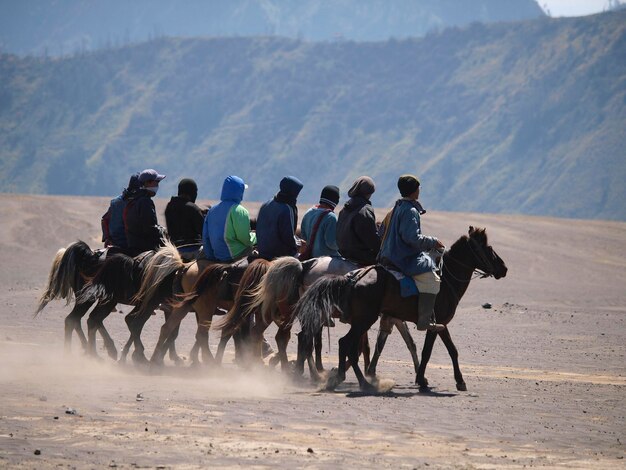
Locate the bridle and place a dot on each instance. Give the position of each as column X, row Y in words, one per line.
column 479, row 253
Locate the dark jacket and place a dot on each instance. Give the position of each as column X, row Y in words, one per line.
column 275, row 230
column 357, row 235
column 143, row 232
column 184, row 220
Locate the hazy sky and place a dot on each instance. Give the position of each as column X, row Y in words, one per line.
column 573, row 7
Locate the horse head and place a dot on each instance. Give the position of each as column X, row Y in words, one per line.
column 487, row 260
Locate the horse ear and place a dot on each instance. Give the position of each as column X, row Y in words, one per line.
column 470, row 231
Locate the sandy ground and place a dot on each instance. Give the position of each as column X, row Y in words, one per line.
column 545, row 368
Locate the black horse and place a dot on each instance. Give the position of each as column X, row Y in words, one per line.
column 362, row 297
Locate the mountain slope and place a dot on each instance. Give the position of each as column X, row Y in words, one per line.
column 521, row 117
column 58, row 27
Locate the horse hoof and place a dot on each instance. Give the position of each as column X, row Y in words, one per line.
column 369, row 388
column 422, row 382
column 274, row 360
column 461, row 387
column 140, row 359
column 424, row 389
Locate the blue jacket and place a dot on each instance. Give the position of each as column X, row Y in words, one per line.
column 113, row 230
column 404, row 246
column 226, row 232
column 325, row 243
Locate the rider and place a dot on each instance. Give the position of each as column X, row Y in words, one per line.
column 319, row 225
column 277, row 221
column 226, row 234
column 357, row 234
column 113, row 231
column 184, row 219
column 405, row 248
column 143, row 232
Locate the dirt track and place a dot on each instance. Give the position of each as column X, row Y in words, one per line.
column 545, row 368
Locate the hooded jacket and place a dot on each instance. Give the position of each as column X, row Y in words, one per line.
column 184, row 220
column 226, row 234
column 277, row 221
column 357, row 235
column 405, row 247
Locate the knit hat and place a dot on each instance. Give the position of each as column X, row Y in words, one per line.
column 362, row 186
column 408, row 184
column 330, row 196
column 188, row 187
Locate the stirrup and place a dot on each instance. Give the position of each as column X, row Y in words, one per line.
column 435, row 327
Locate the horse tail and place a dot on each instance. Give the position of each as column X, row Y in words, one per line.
column 66, row 274
column 250, row 281
column 114, row 280
column 165, row 262
column 315, row 307
column 209, row 278
column 281, row 284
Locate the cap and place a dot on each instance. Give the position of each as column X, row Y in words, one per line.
column 150, row 175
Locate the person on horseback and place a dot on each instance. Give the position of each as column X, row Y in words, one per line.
column 405, row 248
column 113, row 231
column 143, row 232
column 319, row 226
column 357, row 234
column 277, row 221
column 226, row 234
column 184, row 219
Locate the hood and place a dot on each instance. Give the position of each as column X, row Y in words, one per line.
column 232, row 189
column 291, row 186
column 356, row 203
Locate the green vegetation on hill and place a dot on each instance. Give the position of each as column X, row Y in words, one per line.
column 525, row 117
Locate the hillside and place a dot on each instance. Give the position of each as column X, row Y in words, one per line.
column 59, row 27
column 524, row 117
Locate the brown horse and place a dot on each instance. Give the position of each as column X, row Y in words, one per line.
column 201, row 286
column 362, row 296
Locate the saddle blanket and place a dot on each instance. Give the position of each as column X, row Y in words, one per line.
column 407, row 284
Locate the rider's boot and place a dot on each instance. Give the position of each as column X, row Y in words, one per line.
column 426, row 313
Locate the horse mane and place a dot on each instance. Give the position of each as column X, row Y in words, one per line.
column 209, row 278
column 69, row 266
column 252, row 277
column 162, row 264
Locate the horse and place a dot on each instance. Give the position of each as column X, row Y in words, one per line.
column 117, row 281
column 71, row 268
column 274, row 298
column 89, row 276
column 362, row 295
column 203, row 286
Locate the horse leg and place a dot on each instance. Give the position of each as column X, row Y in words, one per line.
column 171, row 346
column 345, row 343
column 282, row 340
column 353, row 354
column 318, row 351
column 202, row 336
column 135, row 321
column 99, row 313
column 195, row 349
column 454, row 355
column 364, row 348
column 72, row 323
column 427, row 350
column 172, row 322
column 403, row 328
column 385, row 329
column 219, row 355
column 109, row 344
